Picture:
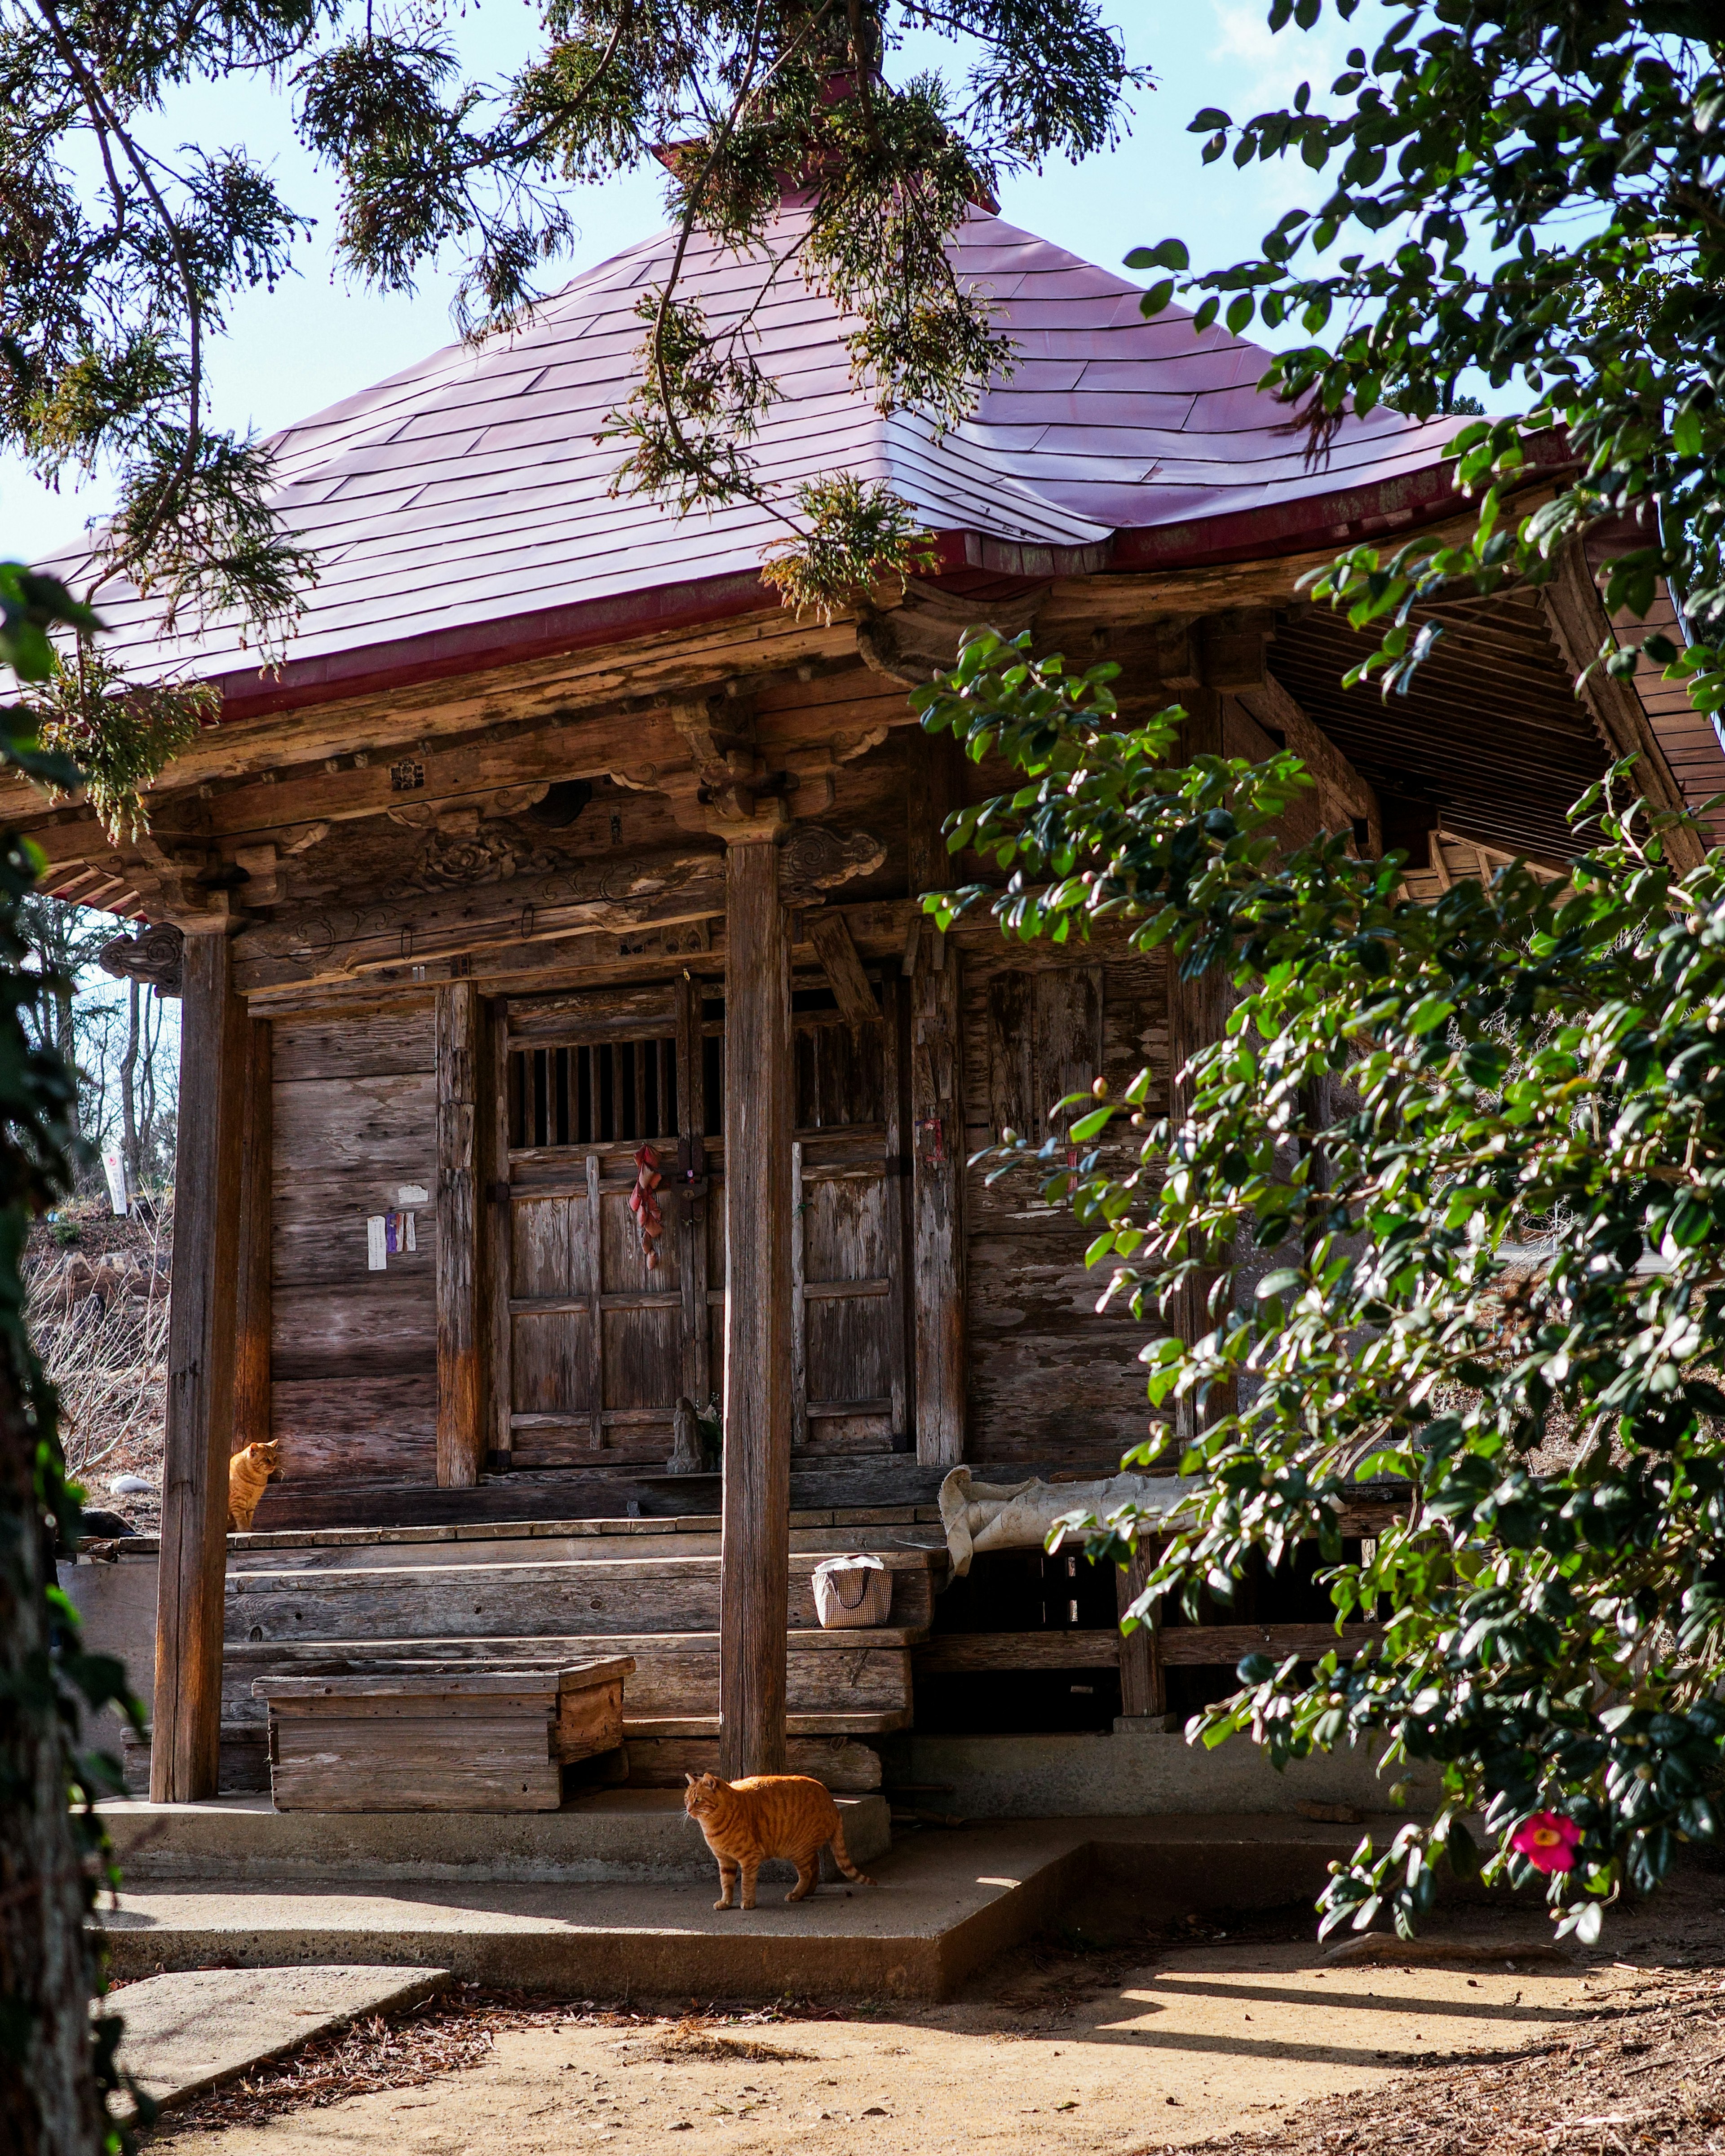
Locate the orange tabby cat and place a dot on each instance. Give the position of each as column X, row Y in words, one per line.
column 248, row 1472
column 767, row 1815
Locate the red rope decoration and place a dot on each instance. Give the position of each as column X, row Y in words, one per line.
column 649, row 1221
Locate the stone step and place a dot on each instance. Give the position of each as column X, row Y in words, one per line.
column 942, row 1905
column 614, row 1835
column 566, row 1598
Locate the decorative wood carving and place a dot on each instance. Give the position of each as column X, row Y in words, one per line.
column 817, row 860
column 154, row 957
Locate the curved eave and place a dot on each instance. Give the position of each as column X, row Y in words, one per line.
column 1404, row 502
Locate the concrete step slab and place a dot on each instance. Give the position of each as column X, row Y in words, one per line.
column 190, row 2029
column 625, row 1837
column 942, row 1906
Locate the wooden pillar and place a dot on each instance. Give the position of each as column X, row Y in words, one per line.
column 754, row 1596
column 499, row 1270
column 214, row 1044
column 251, row 1342
column 937, row 1287
column 1196, row 1015
column 460, row 1369
column 1143, row 1687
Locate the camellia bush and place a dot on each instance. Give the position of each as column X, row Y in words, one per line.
column 1453, row 1188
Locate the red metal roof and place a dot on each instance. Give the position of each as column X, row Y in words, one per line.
column 462, row 512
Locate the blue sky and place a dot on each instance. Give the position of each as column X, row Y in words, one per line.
column 317, row 338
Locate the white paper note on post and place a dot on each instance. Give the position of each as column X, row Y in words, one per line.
column 113, row 1164
column 376, row 1253
column 413, row 1193
column 412, row 1234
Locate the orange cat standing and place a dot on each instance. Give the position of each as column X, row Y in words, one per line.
column 248, row 1472
column 764, row 1815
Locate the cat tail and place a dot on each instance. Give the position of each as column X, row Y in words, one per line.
column 841, row 1857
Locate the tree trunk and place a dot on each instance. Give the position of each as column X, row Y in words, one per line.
column 146, row 1084
column 65, row 1039
column 47, row 2096
column 128, row 1093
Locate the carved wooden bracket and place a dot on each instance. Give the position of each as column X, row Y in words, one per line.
column 153, row 957
column 193, row 885
column 914, row 642
column 732, row 786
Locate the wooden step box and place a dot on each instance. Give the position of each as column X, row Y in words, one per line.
column 435, row 1737
column 837, row 1683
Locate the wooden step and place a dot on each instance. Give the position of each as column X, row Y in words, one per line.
column 795, row 1725
column 567, row 1600
column 578, row 1541
column 837, row 1683
column 662, row 1763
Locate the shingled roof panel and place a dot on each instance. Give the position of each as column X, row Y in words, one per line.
column 468, row 487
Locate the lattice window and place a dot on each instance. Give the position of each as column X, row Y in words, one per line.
column 608, row 1092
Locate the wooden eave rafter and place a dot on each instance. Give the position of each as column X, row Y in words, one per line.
column 251, row 794
column 611, row 685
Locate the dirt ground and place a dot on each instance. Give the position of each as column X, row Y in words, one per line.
column 1243, row 2038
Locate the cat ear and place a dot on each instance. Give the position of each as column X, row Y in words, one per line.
column 692, row 1780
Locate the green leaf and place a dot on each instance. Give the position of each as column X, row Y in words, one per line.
column 1166, row 253
column 1430, row 1013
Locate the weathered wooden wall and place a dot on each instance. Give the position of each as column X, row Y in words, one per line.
column 353, row 1352
column 1051, row 1379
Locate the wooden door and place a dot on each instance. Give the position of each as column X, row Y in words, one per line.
column 592, row 1350
column 849, row 1351
column 593, row 1346
column 848, row 1181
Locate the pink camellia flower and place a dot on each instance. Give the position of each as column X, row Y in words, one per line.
column 1547, row 1840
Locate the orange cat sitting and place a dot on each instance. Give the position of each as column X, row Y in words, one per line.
column 767, row 1815
column 248, row 1472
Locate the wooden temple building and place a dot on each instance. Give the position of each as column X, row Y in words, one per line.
column 556, row 837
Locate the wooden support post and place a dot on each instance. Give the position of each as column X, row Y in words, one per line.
column 938, row 1287
column 460, row 1368
column 1143, row 1686
column 186, row 1720
column 755, row 1556
column 1196, row 1015
column 251, row 1343
column 500, row 1258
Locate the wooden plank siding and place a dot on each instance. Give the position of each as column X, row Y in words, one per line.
column 1050, row 1379
column 353, row 1360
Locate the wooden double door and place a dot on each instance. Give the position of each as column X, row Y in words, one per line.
column 592, row 1348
